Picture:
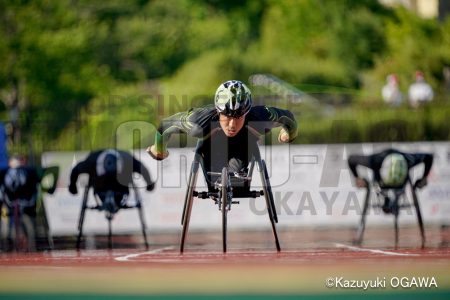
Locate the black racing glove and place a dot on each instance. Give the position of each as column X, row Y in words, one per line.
column 150, row 187
column 73, row 189
column 421, row 183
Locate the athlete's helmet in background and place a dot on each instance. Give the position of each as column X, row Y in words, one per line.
column 109, row 163
column 394, row 170
column 233, row 99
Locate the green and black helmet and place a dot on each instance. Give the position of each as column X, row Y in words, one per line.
column 233, row 99
column 394, row 170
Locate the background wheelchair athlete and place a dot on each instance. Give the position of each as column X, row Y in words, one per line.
column 390, row 176
column 228, row 130
column 110, row 175
column 20, row 191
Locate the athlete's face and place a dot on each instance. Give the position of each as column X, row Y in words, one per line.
column 231, row 126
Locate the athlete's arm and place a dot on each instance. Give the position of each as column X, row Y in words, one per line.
column 138, row 167
column 82, row 167
column 287, row 121
column 418, row 158
column 193, row 122
column 359, row 160
column 264, row 118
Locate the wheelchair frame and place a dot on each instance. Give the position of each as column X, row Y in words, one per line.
column 24, row 225
column 399, row 193
column 223, row 194
column 110, row 215
column 21, row 229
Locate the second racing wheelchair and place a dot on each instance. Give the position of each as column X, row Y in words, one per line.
column 391, row 176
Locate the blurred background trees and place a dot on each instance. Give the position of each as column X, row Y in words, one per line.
column 71, row 72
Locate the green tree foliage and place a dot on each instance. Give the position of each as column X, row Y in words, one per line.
column 61, row 59
column 51, row 67
column 413, row 44
column 321, row 42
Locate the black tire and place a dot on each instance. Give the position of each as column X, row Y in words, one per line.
column 186, row 218
column 189, row 194
column 273, row 209
column 396, row 230
column 143, row 225
column 269, row 206
column 82, row 215
column 362, row 224
column 224, row 207
column 109, row 234
column 29, row 232
column 419, row 214
column 23, row 231
column 189, row 199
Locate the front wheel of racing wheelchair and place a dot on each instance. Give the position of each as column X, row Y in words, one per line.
column 225, row 204
column 223, row 193
column 397, row 201
column 110, row 208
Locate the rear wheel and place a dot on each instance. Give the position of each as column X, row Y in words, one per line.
column 23, row 235
column 189, row 194
column 362, row 223
column 269, row 202
column 419, row 214
column 141, row 215
column 224, row 207
column 273, row 209
column 189, row 200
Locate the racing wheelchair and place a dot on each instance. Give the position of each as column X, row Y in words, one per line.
column 110, row 202
column 223, row 188
column 22, row 194
column 391, row 200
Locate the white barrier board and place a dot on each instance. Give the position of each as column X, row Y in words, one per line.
column 312, row 186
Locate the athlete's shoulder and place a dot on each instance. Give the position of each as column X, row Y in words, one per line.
column 201, row 116
column 96, row 152
column 263, row 113
column 204, row 111
column 388, row 151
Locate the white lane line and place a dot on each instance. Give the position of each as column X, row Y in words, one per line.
column 374, row 250
column 134, row 255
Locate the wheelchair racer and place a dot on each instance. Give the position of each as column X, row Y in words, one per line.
column 110, row 171
column 229, row 129
column 19, row 182
column 390, row 169
column 20, row 187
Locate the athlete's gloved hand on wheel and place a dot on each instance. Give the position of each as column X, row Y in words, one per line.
column 421, row 183
column 73, row 189
column 283, row 137
column 155, row 154
column 151, row 186
column 361, row 182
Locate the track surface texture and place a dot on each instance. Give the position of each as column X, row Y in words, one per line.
column 252, row 268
